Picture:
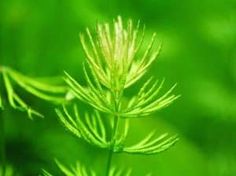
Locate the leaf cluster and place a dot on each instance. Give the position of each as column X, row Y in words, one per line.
column 80, row 170
column 37, row 88
column 115, row 65
column 115, row 61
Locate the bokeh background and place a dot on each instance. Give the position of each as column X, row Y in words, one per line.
column 40, row 38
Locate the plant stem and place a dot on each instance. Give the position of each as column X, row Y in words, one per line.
column 109, row 159
column 2, row 144
column 113, row 142
column 116, row 97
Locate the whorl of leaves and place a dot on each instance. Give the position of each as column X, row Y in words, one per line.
column 115, row 61
column 80, row 170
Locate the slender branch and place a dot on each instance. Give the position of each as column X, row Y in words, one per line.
column 2, row 145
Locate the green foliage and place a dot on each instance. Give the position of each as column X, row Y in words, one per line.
column 92, row 129
column 38, row 88
column 116, row 62
column 80, row 170
column 198, row 52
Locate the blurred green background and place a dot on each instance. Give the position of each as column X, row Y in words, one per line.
column 40, row 38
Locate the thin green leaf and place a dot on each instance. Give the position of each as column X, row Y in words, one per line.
column 65, row 170
column 150, row 145
column 9, row 89
column 37, row 84
column 36, row 92
column 46, row 173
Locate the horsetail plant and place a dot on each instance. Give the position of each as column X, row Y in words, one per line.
column 11, row 81
column 115, row 61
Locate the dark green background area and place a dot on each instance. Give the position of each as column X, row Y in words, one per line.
column 40, row 38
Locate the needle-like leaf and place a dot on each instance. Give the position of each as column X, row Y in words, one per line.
column 48, row 92
column 46, row 173
column 80, row 170
column 92, row 129
column 151, row 144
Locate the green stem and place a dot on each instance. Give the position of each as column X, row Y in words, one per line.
column 2, row 145
column 113, row 142
column 109, row 160
column 116, row 98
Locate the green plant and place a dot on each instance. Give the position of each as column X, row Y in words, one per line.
column 115, row 62
column 11, row 81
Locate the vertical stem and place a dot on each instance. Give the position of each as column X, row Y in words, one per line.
column 2, row 144
column 113, row 142
column 109, row 159
column 116, row 98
